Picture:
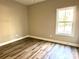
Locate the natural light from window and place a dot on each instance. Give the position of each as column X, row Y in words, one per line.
column 65, row 21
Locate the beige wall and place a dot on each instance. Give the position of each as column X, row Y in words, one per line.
column 13, row 20
column 42, row 19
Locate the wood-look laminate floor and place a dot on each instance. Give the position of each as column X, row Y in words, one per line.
column 37, row 49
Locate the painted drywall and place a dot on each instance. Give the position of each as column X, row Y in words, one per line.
column 42, row 19
column 13, row 20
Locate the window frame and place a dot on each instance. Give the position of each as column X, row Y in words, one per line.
column 73, row 24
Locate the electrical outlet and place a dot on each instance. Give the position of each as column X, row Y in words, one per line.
column 17, row 35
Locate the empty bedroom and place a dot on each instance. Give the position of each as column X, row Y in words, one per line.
column 39, row 29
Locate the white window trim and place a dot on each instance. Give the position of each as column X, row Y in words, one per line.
column 74, row 21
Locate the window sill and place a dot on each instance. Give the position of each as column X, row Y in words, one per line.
column 65, row 35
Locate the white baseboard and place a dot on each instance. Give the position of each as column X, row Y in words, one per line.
column 56, row 41
column 46, row 39
column 14, row 40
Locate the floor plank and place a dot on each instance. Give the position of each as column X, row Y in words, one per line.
column 38, row 49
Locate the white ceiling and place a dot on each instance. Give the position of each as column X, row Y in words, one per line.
column 29, row 2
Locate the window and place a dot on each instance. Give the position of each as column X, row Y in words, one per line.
column 64, row 23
